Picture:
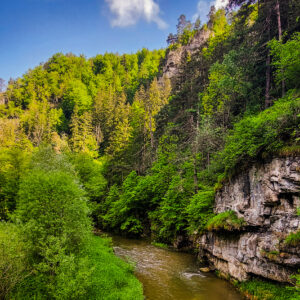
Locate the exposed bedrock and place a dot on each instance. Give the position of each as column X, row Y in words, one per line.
column 267, row 197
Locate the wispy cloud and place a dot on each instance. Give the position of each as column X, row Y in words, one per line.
column 129, row 12
column 203, row 8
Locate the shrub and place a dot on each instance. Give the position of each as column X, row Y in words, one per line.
column 53, row 215
column 200, row 210
column 227, row 220
column 90, row 171
column 293, row 239
column 265, row 290
column 13, row 264
column 53, row 212
column 286, row 60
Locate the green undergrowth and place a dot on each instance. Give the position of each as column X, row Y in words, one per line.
column 99, row 275
column 269, row 131
column 227, row 220
column 293, row 150
column 200, row 210
column 264, row 290
column 112, row 277
column 293, row 239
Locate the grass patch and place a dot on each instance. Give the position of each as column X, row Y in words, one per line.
column 227, row 220
column 293, row 150
column 293, row 239
column 264, row 290
column 112, row 277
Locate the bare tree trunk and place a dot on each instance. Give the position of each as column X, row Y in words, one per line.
column 277, row 8
column 268, row 101
column 151, row 132
column 195, row 175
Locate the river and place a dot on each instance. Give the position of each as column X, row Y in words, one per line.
column 171, row 275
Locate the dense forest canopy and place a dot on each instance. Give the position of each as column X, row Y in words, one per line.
column 112, row 137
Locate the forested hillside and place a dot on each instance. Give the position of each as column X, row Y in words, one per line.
column 113, row 138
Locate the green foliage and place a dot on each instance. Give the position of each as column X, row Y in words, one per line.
column 293, row 239
column 264, row 290
column 82, row 137
column 161, row 149
column 229, row 90
column 227, row 220
column 76, row 94
column 112, row 278
column 90, row 172
column 220, row 30
column 169, row 219
column 200, row 210
column 53, row 213
column 125, row 208
column 51, row 253
column 96, row 274
column 267, row 131
column 13, row 163
column 40, row 121
column 13, row 264
column 287, row 60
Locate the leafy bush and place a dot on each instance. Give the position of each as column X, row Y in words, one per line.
column 227, row 220
column 96, row 274
column 53, row 215
column 170, row 218
column 13, row 264
column 264, row 290
column 13, row 162
column 53, row 211
column 90, row 171
column 124, row 209
column 64, row 260
column 200, row 210
column 286, row 59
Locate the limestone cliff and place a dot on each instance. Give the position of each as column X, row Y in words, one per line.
column 267, row 197
column 174, row 57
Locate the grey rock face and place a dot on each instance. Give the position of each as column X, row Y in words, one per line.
column 174, row 57
column 267, row 197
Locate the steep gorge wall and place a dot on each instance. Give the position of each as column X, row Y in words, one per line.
column 267, row 197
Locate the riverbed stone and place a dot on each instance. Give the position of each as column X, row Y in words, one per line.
column 205, row 270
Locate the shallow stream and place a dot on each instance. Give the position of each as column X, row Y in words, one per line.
column 171, row 275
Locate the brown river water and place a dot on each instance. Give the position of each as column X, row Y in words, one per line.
column 171, row 275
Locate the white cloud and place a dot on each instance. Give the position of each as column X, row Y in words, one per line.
column 129, row 12
column 203, row 8
column 221, row 3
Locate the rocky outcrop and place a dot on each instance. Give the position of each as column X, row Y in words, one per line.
column 174, row 57
column 267, row 197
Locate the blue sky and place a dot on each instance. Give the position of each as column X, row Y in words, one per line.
column 31, row 31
